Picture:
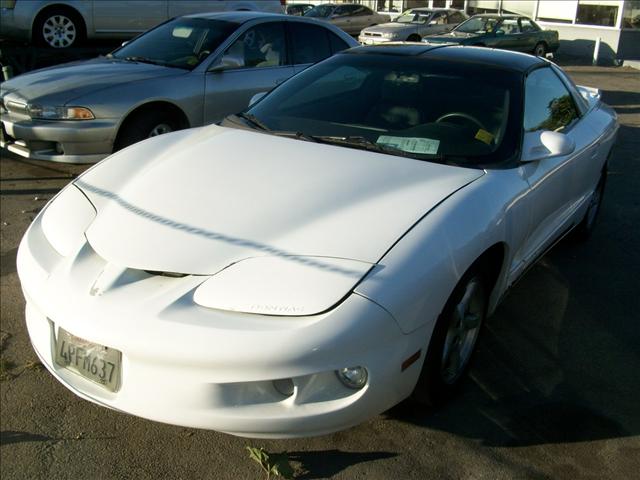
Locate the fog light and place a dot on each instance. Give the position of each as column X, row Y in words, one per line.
column 353, row 377
column 284, row 386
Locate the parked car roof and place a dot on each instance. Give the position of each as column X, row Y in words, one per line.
column 237, row 17
column 504, row 59
column 501, row 15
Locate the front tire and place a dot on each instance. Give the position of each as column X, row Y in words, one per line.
column 59, row 28
column 145, row 125
column 454, row 340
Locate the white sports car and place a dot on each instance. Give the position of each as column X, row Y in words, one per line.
column 323, row 256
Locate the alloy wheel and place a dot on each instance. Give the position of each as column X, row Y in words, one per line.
column 59, row 31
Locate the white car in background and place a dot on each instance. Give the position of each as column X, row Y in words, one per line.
column 66, row 23
column 323, row 256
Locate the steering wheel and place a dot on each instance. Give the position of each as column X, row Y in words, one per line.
column 466, row 116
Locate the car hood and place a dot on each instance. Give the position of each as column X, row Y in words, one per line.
column 391, row 27
column 198, row 200
column 61, row 84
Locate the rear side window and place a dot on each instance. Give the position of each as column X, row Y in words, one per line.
column 310, row 43
column 548, row 105
column 337, row 44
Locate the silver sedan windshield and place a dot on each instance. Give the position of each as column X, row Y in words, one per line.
column 182, row 43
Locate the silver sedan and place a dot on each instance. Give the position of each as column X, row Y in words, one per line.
column 187, row 72
column 413, row 25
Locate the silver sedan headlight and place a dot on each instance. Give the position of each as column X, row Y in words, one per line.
column 59, row 113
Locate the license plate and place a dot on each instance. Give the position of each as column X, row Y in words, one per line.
column 94, row 362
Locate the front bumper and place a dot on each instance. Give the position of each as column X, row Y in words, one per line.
column 58, row 141
column 188, row 365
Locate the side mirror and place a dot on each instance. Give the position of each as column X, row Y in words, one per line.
column 257, row 97
column 227, row 62
column 546, row 144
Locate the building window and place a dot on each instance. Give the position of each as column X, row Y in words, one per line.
column 592, row 14
column 439, row 3
column 559, row 11
column 631, row 18
column 459, row 4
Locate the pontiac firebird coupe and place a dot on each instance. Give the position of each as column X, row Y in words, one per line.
column 322, row 256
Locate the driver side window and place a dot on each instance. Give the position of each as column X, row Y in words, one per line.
column 260, row 46
column 548, row 104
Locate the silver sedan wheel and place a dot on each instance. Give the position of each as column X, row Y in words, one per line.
column 59, row 31
column 464, row 326
column 160, row 129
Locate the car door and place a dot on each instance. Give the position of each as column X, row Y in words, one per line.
column 186, row 7
column 125, row 19
column 507, row 35
column 556, row 192
column 438, row 23
column 255, row 62
column 529, row 33
column 343, row 18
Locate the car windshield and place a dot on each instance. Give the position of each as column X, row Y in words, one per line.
column 181, row 43
column 414, row 16
column 426, row 109
column 321, row 11
column 479, row 25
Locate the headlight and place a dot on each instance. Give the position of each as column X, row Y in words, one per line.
column 66, row 219
column 59, row 113
column 283, row 285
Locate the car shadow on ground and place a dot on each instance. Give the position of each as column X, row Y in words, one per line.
column 327, row 463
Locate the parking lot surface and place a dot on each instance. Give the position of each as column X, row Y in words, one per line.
column 553, row 392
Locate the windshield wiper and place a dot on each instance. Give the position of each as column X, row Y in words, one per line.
column 145, row 60
column 253, row 120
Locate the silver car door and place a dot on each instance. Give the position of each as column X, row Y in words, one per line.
column 256, row 62
column 127, row 18
column 555, row 190
column 186, row 7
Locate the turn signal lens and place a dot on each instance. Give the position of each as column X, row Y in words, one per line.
column 353, row 377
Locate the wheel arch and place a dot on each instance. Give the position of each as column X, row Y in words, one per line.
column 58, row 5
column 153, row 105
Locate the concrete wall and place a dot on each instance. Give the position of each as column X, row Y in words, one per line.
column 579, row 41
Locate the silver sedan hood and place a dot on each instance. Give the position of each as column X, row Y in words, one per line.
column 199, row 200
column 61, row 84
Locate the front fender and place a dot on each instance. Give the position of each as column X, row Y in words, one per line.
column 416, row 277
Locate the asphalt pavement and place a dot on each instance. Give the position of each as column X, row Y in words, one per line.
column 553, row 392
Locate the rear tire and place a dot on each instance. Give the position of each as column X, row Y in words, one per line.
column 59, row 28
column 540, row 50
column 145, row 125
column 453, row 340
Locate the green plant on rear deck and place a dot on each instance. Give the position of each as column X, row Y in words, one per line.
column 274, row 465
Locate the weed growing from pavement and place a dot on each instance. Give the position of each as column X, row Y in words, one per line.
column 273, row 464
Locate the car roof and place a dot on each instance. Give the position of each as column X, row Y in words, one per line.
column 501, row 15
column 236, row 17
column 479, row 56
